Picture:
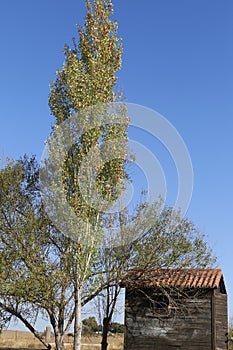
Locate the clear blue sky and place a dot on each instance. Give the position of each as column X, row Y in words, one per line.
column 178, row 60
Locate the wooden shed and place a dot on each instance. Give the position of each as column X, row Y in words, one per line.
column 171, row 309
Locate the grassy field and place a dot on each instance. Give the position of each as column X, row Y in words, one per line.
column 17, row 339
column 116, row 342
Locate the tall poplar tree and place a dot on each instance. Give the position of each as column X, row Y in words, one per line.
column 87, row 79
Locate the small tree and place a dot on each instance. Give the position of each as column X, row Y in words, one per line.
column 90, row 325
column 29, row 279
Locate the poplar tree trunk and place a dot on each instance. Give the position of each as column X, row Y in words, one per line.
column 78, row 318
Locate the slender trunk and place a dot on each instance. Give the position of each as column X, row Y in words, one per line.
column 111, row 299
column 58, row 331
column 78, row 318
column 104, row 342
column 59, row 341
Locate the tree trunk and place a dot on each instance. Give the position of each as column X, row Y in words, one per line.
column 78, row 318
column 111, row 299
column 59, row 342
column 104, row 342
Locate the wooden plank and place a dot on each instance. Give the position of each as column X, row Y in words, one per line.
column 188, row 330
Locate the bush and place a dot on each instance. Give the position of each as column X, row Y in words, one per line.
column 116, row 327
column 90, row 325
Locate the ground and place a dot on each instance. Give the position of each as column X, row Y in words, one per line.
column 17, row 339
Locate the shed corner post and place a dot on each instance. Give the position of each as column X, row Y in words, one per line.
column 213, row 321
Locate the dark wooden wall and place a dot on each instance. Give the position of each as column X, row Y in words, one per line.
column 185, row 327
column 221, row 319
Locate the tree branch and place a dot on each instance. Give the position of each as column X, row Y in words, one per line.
column 13, row 312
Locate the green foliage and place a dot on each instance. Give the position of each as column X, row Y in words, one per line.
column 90, row 326
column 88, row 78
column 88, row 74
column 116, row 327
column 33, row 270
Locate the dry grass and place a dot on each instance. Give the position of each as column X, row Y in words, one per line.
column 16, row 339
column 116, row 342
column 13, row 339
column 21, row 344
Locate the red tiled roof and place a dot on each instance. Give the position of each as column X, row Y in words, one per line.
column 174, row 277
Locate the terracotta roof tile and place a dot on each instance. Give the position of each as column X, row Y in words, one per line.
column 174, row 277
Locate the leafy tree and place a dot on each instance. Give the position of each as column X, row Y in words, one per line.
column 24, row 266
column 37, row 262
column 167, row 240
